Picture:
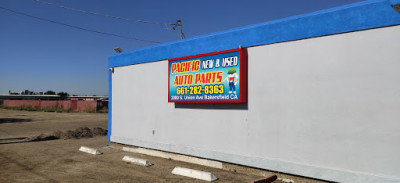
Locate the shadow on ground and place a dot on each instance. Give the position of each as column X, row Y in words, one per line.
column 13, row 140
column 14, row 120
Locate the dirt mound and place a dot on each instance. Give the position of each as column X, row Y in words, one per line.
column 99, row 131
column 83, row 132
column 42, row 137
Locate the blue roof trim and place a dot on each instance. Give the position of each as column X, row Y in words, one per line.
column 353, row 17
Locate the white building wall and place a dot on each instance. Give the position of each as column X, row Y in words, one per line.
column 326, row 107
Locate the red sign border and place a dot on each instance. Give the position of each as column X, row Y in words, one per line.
column 242, row 79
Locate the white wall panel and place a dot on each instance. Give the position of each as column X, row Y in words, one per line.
column 326, row 107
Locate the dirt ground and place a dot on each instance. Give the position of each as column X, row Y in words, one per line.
column 59, row 160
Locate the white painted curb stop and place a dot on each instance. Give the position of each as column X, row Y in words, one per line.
column 197, row 174
column 137, row 161
column 286, row 180
column 90, row 150
column 177, row 157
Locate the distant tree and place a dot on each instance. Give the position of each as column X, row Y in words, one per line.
column 12, row 93
column 27, row 92
column 49, row 92
column 63, row 94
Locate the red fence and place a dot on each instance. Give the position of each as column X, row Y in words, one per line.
column 84, row 106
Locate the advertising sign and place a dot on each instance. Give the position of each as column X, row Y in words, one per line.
column 219, row 77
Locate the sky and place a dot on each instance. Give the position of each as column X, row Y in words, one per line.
column 42, row 55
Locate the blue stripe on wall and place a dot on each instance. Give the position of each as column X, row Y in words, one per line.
column 109, row 104
column 394, row 2
column 358, row 16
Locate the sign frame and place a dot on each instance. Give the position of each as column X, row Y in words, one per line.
column 242, row 76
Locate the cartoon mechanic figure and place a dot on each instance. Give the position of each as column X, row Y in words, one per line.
column 232, row 79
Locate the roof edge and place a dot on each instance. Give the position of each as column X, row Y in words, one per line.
column 352, row 17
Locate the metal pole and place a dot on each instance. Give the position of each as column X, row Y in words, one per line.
column 180, row 26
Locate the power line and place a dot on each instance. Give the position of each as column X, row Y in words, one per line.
column 77, row 27
column 104, row 15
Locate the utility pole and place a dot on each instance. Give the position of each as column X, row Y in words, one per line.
column 178, row 23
